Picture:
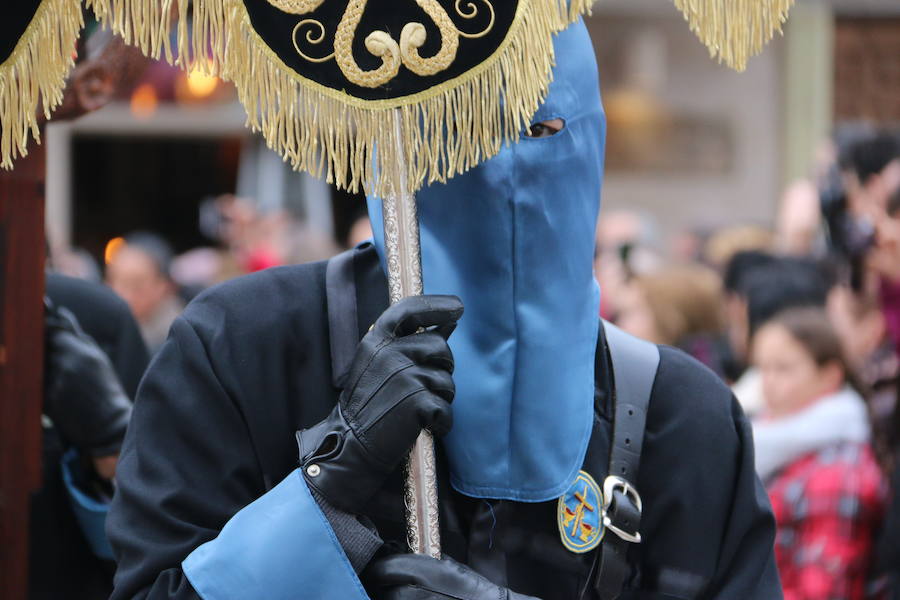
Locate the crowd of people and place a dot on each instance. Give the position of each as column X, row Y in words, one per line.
column 801, row 319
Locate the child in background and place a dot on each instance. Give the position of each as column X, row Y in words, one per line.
column 813, row 454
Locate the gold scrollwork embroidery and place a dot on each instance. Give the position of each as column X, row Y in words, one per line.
column 311, row 38
column 473, row 12
column 413, row 37
column 380, row 43
column 296, row 7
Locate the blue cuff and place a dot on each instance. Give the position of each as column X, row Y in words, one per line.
column 280, row 546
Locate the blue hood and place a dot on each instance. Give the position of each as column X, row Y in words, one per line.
column 514, row 238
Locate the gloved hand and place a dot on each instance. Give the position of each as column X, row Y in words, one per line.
column 399, row 383
column 420, row 577
column 82, row 393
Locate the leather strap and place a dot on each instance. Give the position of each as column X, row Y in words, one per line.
column 634, row 366
column 343, row 327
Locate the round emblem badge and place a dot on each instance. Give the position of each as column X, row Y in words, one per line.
column 579, row 515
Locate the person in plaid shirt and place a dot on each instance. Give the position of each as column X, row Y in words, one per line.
column 813, row 454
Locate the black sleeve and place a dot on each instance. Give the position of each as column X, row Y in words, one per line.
column 106, row 318
column 746, row 567
column 130, row 356
column 187, row 466
column 707, row 523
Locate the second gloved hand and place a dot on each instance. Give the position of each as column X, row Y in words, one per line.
column 400, row 382
column 82, row 393
column 419, row 577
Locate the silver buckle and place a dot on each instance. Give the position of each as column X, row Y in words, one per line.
column 610, row 485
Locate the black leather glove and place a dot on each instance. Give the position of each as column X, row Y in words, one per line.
column 420, row 577
column 82, row 393
column 399, row 383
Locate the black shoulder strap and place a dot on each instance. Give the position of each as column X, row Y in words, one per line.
column 634, row 364
column 343, row 326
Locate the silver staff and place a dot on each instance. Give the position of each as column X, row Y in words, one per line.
column 404, row 262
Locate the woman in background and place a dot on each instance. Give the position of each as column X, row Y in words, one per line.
column 813, row 455
column 677, row 306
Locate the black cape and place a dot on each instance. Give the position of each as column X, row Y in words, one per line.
column 249, row 363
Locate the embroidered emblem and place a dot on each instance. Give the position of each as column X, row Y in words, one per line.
column 579, row 515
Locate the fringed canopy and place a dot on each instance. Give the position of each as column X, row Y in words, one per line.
column 37, row 47
column 436, row 86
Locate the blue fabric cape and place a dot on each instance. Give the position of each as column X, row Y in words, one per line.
column 514, row 238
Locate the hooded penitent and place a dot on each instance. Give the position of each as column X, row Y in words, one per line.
column 514, row 238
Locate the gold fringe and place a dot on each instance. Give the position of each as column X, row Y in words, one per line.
column 445, row 131
column 35, row 74
column 735, row 30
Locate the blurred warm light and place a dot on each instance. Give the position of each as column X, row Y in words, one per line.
column 144, row 101
column 201, row 85
column 634, row 108
column 112, row 247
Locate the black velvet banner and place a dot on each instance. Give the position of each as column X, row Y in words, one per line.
column 17, row 14
column 277, row 29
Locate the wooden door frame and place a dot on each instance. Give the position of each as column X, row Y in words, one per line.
column 22, row 255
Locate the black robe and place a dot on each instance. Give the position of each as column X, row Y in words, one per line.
column 249, row 363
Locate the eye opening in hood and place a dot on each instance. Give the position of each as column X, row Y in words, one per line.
column 546, row 128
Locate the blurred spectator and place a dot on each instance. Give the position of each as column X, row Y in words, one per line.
column 888, row 566
column 883, row 262
column 855, row 198
column 773, row 285
column 677, row 306
column 139, row 272
column 248, row 241
column 885, row 403
column 106, row 318
column 859, row 321
column 360, row 231
column 724, row 244
column 813, row 455
column 737, row 327
column 799, row 220
column 303, row 244
column 627, row 244
column 872, row 173
column 95, row 359
column 74, row 262
column 196, row 270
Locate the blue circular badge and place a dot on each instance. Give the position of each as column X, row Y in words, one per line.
column 579, row 515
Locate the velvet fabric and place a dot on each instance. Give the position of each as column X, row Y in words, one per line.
column 288, row 34
column 17, row 17
column 514, row 238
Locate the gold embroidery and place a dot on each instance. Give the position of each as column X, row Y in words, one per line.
column 379, row 43
column 312, row 40
column 296, row 7
column 473, row 12
column 414, row 35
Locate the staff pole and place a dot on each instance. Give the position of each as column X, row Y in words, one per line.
column 404, row 262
